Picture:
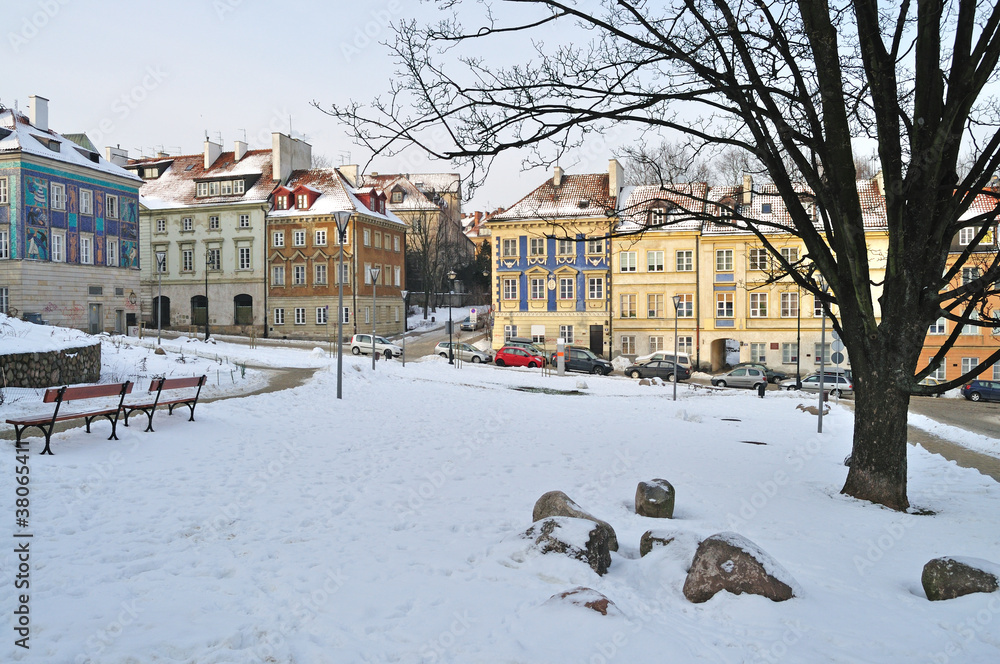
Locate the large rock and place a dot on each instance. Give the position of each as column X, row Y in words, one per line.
column 653, row 539
column 587, row 598
column 582, row 539
column 655, row 498
column 557, row 503
column 727, row 561
column 951, row 577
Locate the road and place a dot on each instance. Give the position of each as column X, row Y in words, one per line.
column 982, row 418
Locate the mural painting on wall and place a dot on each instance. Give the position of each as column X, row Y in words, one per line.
column 129, row 231
column 72, row 248
column 71, row 198
column 37, row 244
column 37, row 192
column 130, row 254
column 36, row 216
column 129, row 211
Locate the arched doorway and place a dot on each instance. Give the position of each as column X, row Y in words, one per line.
column 198, row 309
column 243, row 309
column 724, row 352
column 161, row 311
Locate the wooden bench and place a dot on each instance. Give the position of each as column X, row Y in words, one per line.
column 159, row 385
column 58, row 395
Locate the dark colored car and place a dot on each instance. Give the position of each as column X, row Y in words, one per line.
column 583, row 359
column 658, row 369
column 515, row 356
column 982, row 390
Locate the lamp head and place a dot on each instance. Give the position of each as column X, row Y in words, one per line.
column 451, row 275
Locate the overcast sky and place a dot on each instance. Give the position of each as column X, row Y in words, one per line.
column 158, row 75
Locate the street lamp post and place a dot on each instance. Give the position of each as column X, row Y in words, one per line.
column 209, row 264
column 161, row 259
column 822, row 360
column 406, row 312
column 677, row 305
column 373, row 272
column 342, row 217
column 798, row 337
column 451, row 290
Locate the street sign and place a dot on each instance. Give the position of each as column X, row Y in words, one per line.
column 837, row 346
column 836, row 337
column 837, row 358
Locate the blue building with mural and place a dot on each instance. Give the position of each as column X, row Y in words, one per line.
column 69, row 228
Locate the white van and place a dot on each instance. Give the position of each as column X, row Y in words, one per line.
column 683, row 359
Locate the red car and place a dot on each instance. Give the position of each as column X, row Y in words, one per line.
column 514, row 356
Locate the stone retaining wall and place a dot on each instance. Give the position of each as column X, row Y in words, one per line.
column 59, row 367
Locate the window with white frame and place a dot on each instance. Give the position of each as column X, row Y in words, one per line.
column 4, row 299
column 658, row 216
column 300, row 315
column 86, row 250
column 538, row 334
column 321, row 315
column 685, row 345
column 378, row 240
column 940, row 372
column 969, row 274
column 655, row 343
column 279, row 316
column 298, row 238
column 226, row 188
column 112, row 252
column 970, row 327
column 510, row 289
column 758, row 305
column 298, row 275
column 397, row 274
column 724, row 305
column 213, row 188
column 654, row 305
column 536, row 246
column 87, row 203
column 278, row 238
column 723, row 260
column 367, row 237
column 368, row 274
column 628, row 344
column 566, row 288
column 510, row 247
column 789, row 353
column 395, row 243
column 244, row 254
column 58, row 196
column 368, row 315
column 277, row 275
column 213, row 223
column 201, row 189
column 821, row 351
column 685, row 261
column 758, row 351
column 302, row 201
column 817, row 307
column 628, row 305
column 215, row 259
column 790, row 254
column 966, row 235
column 654, row 261
column 239, row 186
column 595, row 288
column 319, row 238
column 996, row 371
column 345, row 315
column 565, row 247
column 187, row 260
column 566, row 333
column 4, row 194
column 161, row 259
column 58, row 247
column 187, row 224
column 161, row 225
column 940, row 326
column 319, row 273
column 627, row 261
column 758, row 259
column 345, row 274
column 685, row 305
column 280, row 202
column 789, row 305
column 509, row 332
column 4, row 244
column 969, row 364
column 111, row 206
column 537, row 288
column 595, row 247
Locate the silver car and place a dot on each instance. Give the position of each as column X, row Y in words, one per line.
column 741, row 377
column 463, row 352
column 361, row 344
column 837, row 385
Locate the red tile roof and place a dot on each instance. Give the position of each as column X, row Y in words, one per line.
column 576, row 196
column 176, row 186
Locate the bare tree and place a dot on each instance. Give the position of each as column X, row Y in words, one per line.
column 671, row 162
column 431, row 251
column 790, row 83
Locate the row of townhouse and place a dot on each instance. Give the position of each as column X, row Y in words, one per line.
column 597, row 263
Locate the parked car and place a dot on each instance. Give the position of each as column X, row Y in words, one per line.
column 932, row 382
column 470, row 326
column 658, row 369
column 773, row 375
column 462, row 351
column 982, row 390
column 515, row 356
column 584, row 359
column 833, row 384
column 742, row 377
column 361, row 344
column 521, row 342
column 682, row 359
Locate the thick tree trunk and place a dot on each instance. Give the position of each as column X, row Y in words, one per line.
column 878, row 460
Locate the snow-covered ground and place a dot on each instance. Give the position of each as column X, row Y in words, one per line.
column 292, row 527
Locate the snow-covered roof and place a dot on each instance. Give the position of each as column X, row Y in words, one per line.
column 335, row 195
column 17, row 134
column 414, row 200
column 681, row 201
column 425, row 182
column 576, row 196
column 176, row 185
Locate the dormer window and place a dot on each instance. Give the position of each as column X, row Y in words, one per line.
column 213, row 188
column 227, row 188
column 302, row 201
column 658, row 217
column 397, row 197
column 202, row 189
column 281, row 202
column 239, row 187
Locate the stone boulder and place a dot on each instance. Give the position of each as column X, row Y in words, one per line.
column 557, row 503
column 587, row 598
column 159, row 351
column 655, row 498
column 727, row 561
column 654, row 539
column 951, row 577
column 581, row 539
